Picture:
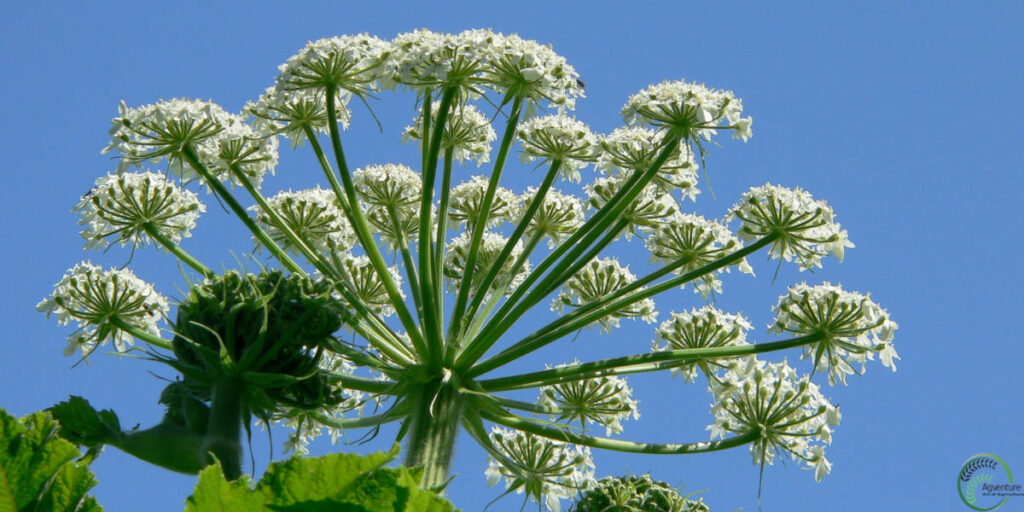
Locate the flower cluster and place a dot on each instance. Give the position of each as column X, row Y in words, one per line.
column 695, row 242
column 557, row 217
column 358, row 273
column 804, row 228
column 545, row 469
column 593, row 282
column 190, row 133
column 351, row 64
column 649, row 210
column 313, row 215
column 786, row 411
column 491, row 245
column 689, row 109
column 606, row 401
column 852, row 327
column 107, row 304
column 133, row 208
column 465, row 204
column 632, row 149
column 530, row 70
column 706, row 327
column 559, row 138
column 467, row 133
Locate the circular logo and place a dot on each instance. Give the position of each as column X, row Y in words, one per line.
column 983, row 482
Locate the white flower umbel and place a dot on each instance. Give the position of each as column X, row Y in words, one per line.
column 358, row 273
column 561, row 138
column 104, row 303
column 649, row 210
column 557, row 218
column 388, row 185
column 467, row 133
column 292, row 112
column 546, row 470
column 594, row 281
column 689, row 109
column 457, row 252
column 633, row 149
column 607, row 401
column 127, row 207
column 527, row 69
column 351, row 64
column 786, row 411
column 423, row 60
column 851, row 325
column 313, row 215
column 696, row 242
column 805, row 229
column 220, row 140
column 706, row 327
column 466, row 203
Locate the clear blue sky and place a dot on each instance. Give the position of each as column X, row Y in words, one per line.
column 905, row 116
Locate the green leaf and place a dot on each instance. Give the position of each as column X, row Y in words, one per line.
column 336, row 483
column 83, row 425
column 38, row 471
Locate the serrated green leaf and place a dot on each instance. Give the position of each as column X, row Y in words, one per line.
column 38, row 469
column 335, row 483
column 81, row 424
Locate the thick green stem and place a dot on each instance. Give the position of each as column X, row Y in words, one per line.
column 434, row 424
column 167, row 445
column 223, row 438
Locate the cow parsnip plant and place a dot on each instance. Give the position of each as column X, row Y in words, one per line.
column 469, row 258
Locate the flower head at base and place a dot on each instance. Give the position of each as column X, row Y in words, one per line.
column 636, row 493
column 222, row 142
column 706, row 327
column 545, row 469
column 804, row 228
column 559, row 138
column 491, row 245
column 690, row 109
column 696, row 242
column 467, row 133
column 606, row 401
column 313, row 215
column 104, row 302
column 851, row 325
column 596, row 280
column 787, row 411
column 127, row 207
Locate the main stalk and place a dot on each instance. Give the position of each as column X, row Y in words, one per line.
column 434, row 424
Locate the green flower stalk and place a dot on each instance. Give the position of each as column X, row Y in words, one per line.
column 330, row 326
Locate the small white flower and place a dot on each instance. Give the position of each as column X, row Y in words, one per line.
column 805, row 229
column 594, row 281
column 649, row 210
column 359, row 274
column 632, row 149
column 787, row 411
column 98, row 300
column 706, row 327
column 696, row 242
column 853, row 327
column 689, row 108
column 546, row 470
column 123, row 207
column 221, row 141
column 465, row 203
column 353, row 64
column 491, row 245
column 313, row 215
column 557, row 218
column 388, row 185
column 527, row 69
column 562, row 138
column 606, row 401
column 468, row 133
